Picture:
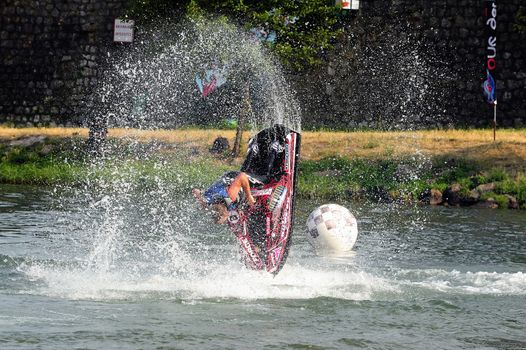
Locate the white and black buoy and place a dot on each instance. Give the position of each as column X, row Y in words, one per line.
column 332, row 230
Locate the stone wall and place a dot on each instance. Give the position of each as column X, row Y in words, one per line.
column 419, row 63
column 49, row 56
column 401, row 64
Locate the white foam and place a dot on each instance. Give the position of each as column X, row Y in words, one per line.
column 225, row 281
column 294, row 282
column 481, row 282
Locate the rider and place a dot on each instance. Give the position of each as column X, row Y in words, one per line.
column 228, row 193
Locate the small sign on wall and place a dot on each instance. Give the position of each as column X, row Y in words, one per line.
column 348, row 4
column 123, row 31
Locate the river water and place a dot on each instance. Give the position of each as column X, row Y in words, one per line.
column 118, row 272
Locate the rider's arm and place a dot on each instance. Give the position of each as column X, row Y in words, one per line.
column 241, row 182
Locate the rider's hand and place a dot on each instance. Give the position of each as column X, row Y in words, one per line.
column 251, row 201
column 199, row 196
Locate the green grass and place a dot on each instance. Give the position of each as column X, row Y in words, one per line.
column 391, row 178
column 41, row 165
column 338, row 177
column 180, row 173
column 39, row 174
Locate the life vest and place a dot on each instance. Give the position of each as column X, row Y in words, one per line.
column 218, row 191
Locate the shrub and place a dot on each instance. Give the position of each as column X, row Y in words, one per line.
column 479, row 179
column 497, row 174
column 441, row 186
column 460, row 169
column 502, row 201
column 521, row 191
column 20, row 156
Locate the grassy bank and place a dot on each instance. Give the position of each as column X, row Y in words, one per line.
column 458, row 182
column 465, row 167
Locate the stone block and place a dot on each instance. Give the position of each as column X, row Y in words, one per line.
column 9, row 11
column 56, row 84
column 435, row 197
column 86, row 72
column 513, row 84
column 7, row 44
column 489, row 203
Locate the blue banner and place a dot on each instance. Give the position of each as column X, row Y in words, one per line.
column 490, row 85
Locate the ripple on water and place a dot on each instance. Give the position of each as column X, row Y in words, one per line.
column 5, row 204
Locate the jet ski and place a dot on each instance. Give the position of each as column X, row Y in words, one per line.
column 264, row 230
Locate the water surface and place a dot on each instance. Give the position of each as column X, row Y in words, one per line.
column 149, row 270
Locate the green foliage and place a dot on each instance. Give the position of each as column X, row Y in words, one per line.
column 501, row 199
column 497, row 174
column 325, row 178
column 516, row 188
column 22, row 155
column 36, row 164
column 328, row 178
column 330, row 163
column 521, row 191
column 508, row 186
column 439, row 185
column 227, row 124
column 335, row 177
column 455, row 172
column 465, row 183
column 315, row 186
column 149, row 10
column 415, row 188
column 39, row 174
column 305, row 29
column 479, row 179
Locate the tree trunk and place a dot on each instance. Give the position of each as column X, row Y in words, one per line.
column 244, row 114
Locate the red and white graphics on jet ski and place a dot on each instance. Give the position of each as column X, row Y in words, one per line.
column 264, row 230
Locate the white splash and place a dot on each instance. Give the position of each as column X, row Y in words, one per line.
column 480, row 282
